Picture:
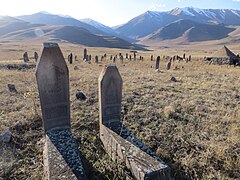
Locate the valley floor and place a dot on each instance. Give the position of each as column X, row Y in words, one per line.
column 193, row 124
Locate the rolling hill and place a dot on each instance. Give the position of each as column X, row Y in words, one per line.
column 51, row 19
column 191, row 31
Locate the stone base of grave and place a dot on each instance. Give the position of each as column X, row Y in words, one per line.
column 139, row 162
column 61, row 157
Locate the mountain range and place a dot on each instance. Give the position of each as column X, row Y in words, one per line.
column 188, row 24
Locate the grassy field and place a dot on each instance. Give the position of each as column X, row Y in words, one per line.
column 193, row 124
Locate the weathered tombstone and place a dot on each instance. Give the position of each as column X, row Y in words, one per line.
column 114, row 59
column 25, row 57
column 151, row 57
column 121, row 58
column 134, row 56
column 126, row 55
column 111, row 57
column 157, row 63
column 35, row 56
column 75, row 58
column 53, row 86
column 118, row 141
column 130, row 57
column 89, row 57
column 102, row 58
column 168, row 66
column 61, row 156
column 190, row 58
column 96, row 59
column 110, row 96
column 184, row 55
column 70, row 58
column 85, row 53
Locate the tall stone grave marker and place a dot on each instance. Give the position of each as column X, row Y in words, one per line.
column 118, row 141
column 84, row 53
column 53, row 85
column 158, row 62
column 110, row 96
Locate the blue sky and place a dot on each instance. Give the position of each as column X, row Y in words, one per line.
column 108, row 12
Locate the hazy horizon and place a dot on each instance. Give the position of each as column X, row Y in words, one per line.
column 108, row 12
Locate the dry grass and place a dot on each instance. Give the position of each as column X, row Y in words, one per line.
column 194, row 123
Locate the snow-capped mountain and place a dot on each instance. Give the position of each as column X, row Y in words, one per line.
column 105, row 29
column 151, row 21
column 98, row 25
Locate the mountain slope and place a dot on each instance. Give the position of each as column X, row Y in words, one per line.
column 150, row 21
column 71, row 34
column 9, row 24
column 50, row 19
column 98, row 25
column 191, row 31
column 106, row 29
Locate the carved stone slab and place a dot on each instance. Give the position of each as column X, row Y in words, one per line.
column 53, row 86
column 141, row 164
column 110, row 96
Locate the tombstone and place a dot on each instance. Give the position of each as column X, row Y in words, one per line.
column 118, row 141
column 157, row 63
column 96, row 59
column 85, row 53
column 89, row 57
column 168, row 65
column 25, row 57
column 134, row 56
column 174, row 58
column 130, row 57
column 111, row 57
column 114, row 59
column 35, row 56
column 53, row 86
column 126, row 55
column 102, row 58
column 121, row 58
column 75, row 58
column 61, row 156
column 110, row 96
column 184, row 55
column 70, row 58
column 151, row 57
column 190, row 58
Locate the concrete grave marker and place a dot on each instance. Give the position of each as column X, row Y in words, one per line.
column 53, row 86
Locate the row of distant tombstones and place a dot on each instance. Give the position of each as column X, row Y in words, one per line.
column 62, row 159
column 87, row 58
